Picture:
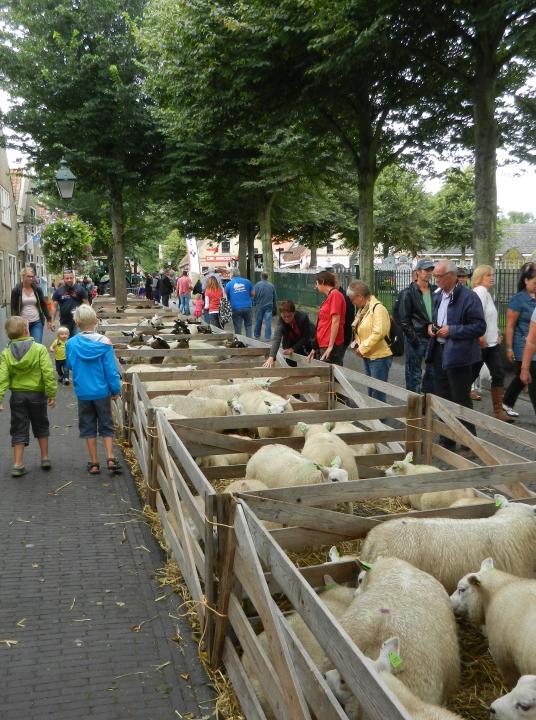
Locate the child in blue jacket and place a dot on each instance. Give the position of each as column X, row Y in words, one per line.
column 96, row 382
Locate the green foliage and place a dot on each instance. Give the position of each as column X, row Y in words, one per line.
column 516, row 217
column 66, row 243
column 454, row 209
column 174, row 248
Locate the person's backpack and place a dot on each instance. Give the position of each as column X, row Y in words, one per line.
column 395, row 339
column 225, row 311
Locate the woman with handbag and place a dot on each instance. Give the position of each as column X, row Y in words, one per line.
column 213, row 295
column 27, row 301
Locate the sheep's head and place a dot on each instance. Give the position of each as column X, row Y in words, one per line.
column 519, row 703
column 334, row 472
column 400, row 467
column 276, row 409
column 467, row 600
column 236, row 406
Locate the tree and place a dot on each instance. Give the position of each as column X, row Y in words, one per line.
column 454, row 209
column 174, row 247
column 516, row 217
column 66, row 243
column 74, row 69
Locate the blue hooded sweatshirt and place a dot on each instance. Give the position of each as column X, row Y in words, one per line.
column 94, row 367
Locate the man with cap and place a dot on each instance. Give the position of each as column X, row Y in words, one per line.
column 462, row 275
column 414, row 314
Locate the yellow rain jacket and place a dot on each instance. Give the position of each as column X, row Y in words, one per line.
column 372, row 323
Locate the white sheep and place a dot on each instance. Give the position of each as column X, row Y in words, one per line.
column 395, row 598
column 200, row 387
column 336, row 598
column 428, row 500
column 464, row 502
column 146, row 367
column 221, row 391
column 506, row 605
column 322, row 446
column 359, row 450
column 236, row 458
column 519, row 704
column 263, row 402
column 280, row 466
column 449, row 548
column 197, row 407
column 389, row 656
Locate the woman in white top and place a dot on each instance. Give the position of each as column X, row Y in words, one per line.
column 27, row 301
column 482, row 281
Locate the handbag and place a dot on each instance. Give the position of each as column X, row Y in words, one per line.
column 225, row 311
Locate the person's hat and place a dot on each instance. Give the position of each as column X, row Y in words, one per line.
column 425, row 265
column 462, row 272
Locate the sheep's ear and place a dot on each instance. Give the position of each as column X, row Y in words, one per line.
column 334, row 555
column 487, row 564
column 409, row 458
column 336, row 462
column 329, row 582
column 267, row 402
column 329, row 426
column 389, row 658
column 473, row 579
column 362, row 565
column 302, row 427
column 500, row 501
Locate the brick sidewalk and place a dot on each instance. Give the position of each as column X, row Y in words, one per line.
column 76, row 575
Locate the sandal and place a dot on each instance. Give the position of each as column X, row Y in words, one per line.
column 113, row 466
column 18, row 471
column 93, row 468
column 46, row 464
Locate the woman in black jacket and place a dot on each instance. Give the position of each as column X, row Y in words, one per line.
column 293, row 330
column 27, row 301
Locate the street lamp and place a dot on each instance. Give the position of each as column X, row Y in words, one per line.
column 279, row 250
column 65, row 181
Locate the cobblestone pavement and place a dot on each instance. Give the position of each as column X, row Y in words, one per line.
column 83, row 631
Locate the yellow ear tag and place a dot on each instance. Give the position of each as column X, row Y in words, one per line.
column 498, row 503
column 394, row 660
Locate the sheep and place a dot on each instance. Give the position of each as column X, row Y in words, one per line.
column 192, row 407
column 428, row 500
column 506, row 605
column 395, row 598
column 389, row 656
column 359, row 450
column 146, row 367
column 263, row 402
column 280, row 466
column 220, row 390
column 449, row 548
column 519, row 703
column 322, row 446
column 336, row 598
column 241, row 486
column 230, row 458
column 200, row 387
column 464, row 502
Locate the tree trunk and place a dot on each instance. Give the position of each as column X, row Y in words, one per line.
column 484, row 101
column 118, row 235
column 265, row 223
column 366, row 182
column 243, row 247
column 314, row 261
column 111, row 273
column 251, row 233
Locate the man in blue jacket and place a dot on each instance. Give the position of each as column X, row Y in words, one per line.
column 240, row 292
column 96, row 382
column 457, row 324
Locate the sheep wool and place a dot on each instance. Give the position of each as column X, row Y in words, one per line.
column 192, row 407
column 506, row 605
column 449, row 548
column 279, row 466
column 396, row 599
column 322, row 447
column 263, row 402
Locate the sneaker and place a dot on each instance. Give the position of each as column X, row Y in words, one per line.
column 18, row 471
column 510, row 411
column 66, row 382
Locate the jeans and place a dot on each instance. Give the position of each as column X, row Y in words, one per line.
column 453, row 384
column 378, row 369
column 61, row 369
column 415, row 380
column 491, row 356
column 214, row 319
column 336, row 357
column 244, row 314
column 184, row 304
column 36, row 331
column 263, row 314
column 516, row 386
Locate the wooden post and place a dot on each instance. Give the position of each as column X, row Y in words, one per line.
column 413, row 427
column 127, row 400
column 226, row 506
column 152, row 458
column 210, row 572
column 427, row 433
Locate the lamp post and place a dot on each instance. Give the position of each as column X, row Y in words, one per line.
column 65, row 180
column 279, row 250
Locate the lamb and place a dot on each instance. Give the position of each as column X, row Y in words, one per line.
column 280, row 466
column 242, row 486
column 428, row 500
column 146, row 367
column 342, row 428
column 200, row 387
column 231, row 458
column 519, row 704
column 336, row 598
column 389, row 655
column 192, row 407
column 506, row 605
column 221, row 390
column 449, row 548
column 464, row 502
column 396, row 598
column 263, row 402
column 322, row 446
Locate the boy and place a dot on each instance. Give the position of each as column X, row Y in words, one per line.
column 96, row 381
column 26, row 369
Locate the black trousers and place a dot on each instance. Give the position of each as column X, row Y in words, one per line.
column 491, row 356
column 516, row 386
column 453, row 384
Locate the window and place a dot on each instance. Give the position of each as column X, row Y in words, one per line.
column 3, row 298
column 225, row 246
column 12, row 265
column 5, row 207
column 33, row 221
column 329, row 248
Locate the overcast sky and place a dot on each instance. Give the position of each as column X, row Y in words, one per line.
column 516, row 184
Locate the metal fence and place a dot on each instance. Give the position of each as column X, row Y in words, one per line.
column 299, row 286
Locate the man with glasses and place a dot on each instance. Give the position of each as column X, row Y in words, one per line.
column 457, row 324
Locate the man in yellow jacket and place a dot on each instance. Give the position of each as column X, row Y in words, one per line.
column 371, row 328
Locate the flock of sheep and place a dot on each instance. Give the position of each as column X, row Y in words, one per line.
column 416, row 572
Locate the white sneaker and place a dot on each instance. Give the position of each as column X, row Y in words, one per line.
column 510, row 411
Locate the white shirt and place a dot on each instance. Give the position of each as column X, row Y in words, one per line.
column 442, row 312
column 490, row 316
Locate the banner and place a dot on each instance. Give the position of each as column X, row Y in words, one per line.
column 191, row 246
